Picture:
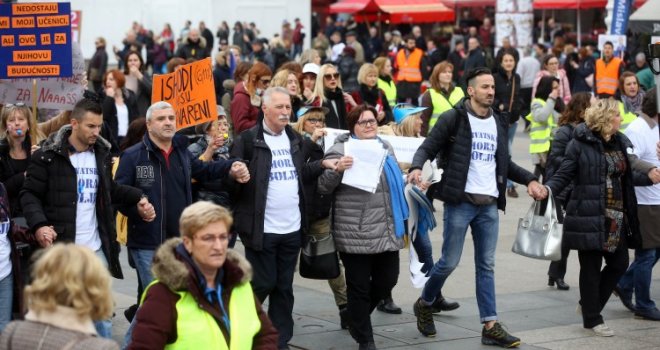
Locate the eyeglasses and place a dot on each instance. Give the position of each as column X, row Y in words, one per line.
column 331, row 76
column 367, row 122
column 315, row 120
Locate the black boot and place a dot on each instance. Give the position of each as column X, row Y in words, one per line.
column 442, row 304
column 561, row 285
column 367, row 346
column 388, row 305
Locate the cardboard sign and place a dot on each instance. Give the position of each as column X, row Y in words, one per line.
column 52, row 93
column 190, row 90
column 35, row 40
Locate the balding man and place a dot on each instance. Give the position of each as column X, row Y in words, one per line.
column 192, row 47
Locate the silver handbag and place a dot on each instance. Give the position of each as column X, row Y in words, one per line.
column 539, row 236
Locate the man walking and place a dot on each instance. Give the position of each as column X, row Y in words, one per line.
column 68, row 191
column 473, row 147
column 643, row 133
column 270, row 209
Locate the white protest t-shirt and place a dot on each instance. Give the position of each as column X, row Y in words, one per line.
column 282, row 210
column 87, row 183
column 5, row 250
column 482, row 173
column 122, row 119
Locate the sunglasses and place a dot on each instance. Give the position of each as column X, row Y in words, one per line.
column 315, row 120
column 331, row 76
column 19, row 104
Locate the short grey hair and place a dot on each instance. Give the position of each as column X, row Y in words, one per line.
column 160, row 105
column 268, row 94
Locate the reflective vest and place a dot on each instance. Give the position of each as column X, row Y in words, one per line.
column 441, row 104
column 197, row 329
column 540, row 134
column 390, row 91
column 409, row 68
column 607, row 76
column 626, row 117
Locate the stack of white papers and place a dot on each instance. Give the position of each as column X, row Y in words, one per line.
column 368, row 160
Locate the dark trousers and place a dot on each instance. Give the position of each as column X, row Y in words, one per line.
column 273, row 268
column 369, row 278
column 407, row 92
column 558, row 268
column 526, row 95
column 596, row 286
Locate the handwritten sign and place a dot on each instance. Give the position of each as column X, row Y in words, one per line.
column 404, row 147
column 53, row 93
column 190, row 90
column 35, row 40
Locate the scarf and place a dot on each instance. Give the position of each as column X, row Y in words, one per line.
column 369, row 95
column 385, row 78
column 633, row 104
column 335, row 118
column 397, row 198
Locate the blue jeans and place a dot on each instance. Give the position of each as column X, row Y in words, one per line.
column 143, row 259
column 103, row 327
column 638, row 278
column 6, row 299
column 484, row 222
column 512, row 133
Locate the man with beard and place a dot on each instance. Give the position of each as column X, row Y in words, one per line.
column 476, row 165
column 409, row 75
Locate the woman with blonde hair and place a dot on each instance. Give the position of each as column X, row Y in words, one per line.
column 601, row 214
column 289, row 80
column 369, row 93
column 309, row 56
column 247, row 97
column 70, row 289
column 385, row 79
column 441, row 97
column 329, row 94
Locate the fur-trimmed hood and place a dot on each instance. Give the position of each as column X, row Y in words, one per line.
column 171, row 269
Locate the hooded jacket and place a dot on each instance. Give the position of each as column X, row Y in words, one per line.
column 190, row 50
column 585, row 165
column 49, row 194
column 451, row 137
column 156, row 320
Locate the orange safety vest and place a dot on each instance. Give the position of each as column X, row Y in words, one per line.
column 409, row 68
column 607, row 76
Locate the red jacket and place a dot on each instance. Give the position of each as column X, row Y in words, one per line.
column 243, row 113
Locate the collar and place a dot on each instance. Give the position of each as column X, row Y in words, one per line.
column 268, row 130
column 468, row 107
column 63, row 317
column 650, row 121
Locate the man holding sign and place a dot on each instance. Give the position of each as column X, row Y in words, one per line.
column 163, row 168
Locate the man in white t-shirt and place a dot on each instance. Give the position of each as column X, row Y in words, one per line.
column 473, row 146
column 644, row 135
column 68, row 193
column 270, row 209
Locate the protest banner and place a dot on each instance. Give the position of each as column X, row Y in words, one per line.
column 190, row 90
column 52, row 93
column 404, row 147
column 35, row 40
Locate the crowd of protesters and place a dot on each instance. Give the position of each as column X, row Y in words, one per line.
column 263, row 166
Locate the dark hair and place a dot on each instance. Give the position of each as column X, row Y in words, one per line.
column 475, row 72
column 575, row 108
column 126, row 71
column 86, row 105
column 547, row 59
column 649, row 103
column 242, row 68
column 622, row 80
column 504, row 52
column 408, row 37
column 608, row 43
column 544, row 88
column 134, row 134
column 354, row 115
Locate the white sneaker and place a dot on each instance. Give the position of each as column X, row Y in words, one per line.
column 602, row 330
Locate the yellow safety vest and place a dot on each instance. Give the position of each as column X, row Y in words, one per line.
column 390, row 91
column 441, row 104
column 626, row 117
column 540, row 134
column 197, row 329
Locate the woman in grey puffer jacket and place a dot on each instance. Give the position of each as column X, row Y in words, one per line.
column 368, row 227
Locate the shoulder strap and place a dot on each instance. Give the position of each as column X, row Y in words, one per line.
column 513, row 89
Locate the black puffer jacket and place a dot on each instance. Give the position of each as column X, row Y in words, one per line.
column 507, row 89
column 451, row 137
column 563, row 135
column 250, row 205
column 585, row 165
column 49, row 194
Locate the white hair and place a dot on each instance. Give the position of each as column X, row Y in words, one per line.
column 268, row 94
column 160, row 105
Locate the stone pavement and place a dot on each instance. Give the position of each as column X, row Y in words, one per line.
column 543, row 317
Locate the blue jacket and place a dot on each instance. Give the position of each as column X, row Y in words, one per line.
column 141, row 166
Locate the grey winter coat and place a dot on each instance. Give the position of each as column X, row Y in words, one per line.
column 361, row 222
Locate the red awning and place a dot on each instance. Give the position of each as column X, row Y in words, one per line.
column 396, row 11
column 574, row 4
column 468, row 3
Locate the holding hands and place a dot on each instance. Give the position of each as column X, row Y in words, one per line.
column 45, row 236
column 239, row 172
column 537, row 191
column 146, row 210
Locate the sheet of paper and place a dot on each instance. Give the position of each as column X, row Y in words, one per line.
column 368, row 160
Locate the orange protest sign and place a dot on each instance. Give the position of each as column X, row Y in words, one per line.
column 190, row 90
